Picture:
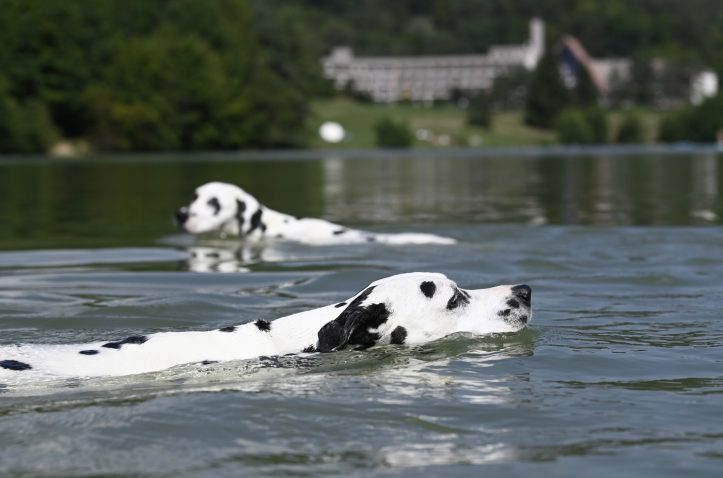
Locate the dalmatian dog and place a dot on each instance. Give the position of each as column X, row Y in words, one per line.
column 412, row 308
column 230, row 211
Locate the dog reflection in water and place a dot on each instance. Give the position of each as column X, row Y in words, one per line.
column 222, row 259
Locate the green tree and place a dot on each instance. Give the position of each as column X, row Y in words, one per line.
column 597, row 121
column 707, row 120
column 700, row 124
column 7, row 116
column 49, row 52
column 676, row 126
column 572, row 127
column 34, row 131
column 25, row 127
column 479, row 112
column 150, row 74
column 631, row 129
column 547, row 95
column 392, row 134
column 164, row 92
column 585, row 92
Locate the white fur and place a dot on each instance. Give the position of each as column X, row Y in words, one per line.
column 215, row 208
column 423, row 318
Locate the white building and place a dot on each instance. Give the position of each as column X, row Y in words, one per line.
column 428, row 78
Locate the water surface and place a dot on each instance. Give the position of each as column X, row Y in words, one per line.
column 618, row 375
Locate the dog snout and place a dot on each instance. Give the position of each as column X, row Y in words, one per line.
column 524, row 293
column 181, row 216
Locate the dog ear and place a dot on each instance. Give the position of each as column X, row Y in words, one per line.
column 255, row 221
column 240, row 209
column 352, row 326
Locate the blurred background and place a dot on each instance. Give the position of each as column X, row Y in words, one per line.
column 82, row 77
column 572, row 145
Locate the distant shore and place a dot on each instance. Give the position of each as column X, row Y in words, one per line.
column 393, row 153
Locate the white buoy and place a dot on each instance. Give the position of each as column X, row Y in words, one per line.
column 332, row 132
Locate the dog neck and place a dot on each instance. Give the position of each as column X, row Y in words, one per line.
column 265, row 222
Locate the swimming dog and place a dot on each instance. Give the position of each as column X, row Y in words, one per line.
column 231, row 211
column 412, row 308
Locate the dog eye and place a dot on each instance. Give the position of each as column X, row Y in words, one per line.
column 195, row 197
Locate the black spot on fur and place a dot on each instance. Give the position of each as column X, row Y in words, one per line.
column 352, row 326
column 209, row 362
column 279, row 236
column 89, row 352
column 457, row 299
column 504, row 313
column 256, row 221
column 263, row 325
column 308, row 350
column 524, row 319
column 240, row 209
column 230, row 328
column 339, row 231
column 14, row 365
column 399, row 335
column 213, row 202
column 135, row 339
column 340, row 304
column 428, row 288
column 513, row 303
column 371, row 239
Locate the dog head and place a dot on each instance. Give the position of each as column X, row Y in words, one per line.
column 221, row 207
column 420, row 307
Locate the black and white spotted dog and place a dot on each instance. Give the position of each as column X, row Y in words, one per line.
column 231, row 211
column 409, row 308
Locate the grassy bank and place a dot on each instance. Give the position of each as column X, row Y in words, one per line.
column 446, row 125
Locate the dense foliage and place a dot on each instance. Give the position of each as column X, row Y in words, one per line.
column 582, row 126
column 223, row 74
column 630, row 130
column 392, row 133
column 150, row 75
column 700, row 124
column 25, row 126
column 479, row 111
column 547, row 95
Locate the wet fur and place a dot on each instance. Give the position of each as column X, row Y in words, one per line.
column 228, row 210
column 403, row 309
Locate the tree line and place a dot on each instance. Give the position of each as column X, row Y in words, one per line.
column 148, row 75
column 229, row 74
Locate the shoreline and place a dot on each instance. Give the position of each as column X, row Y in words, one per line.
column 390, row 153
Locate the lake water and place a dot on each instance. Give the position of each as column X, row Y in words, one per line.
column 620, row 373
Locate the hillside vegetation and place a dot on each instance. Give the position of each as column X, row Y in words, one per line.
column 138, row 75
